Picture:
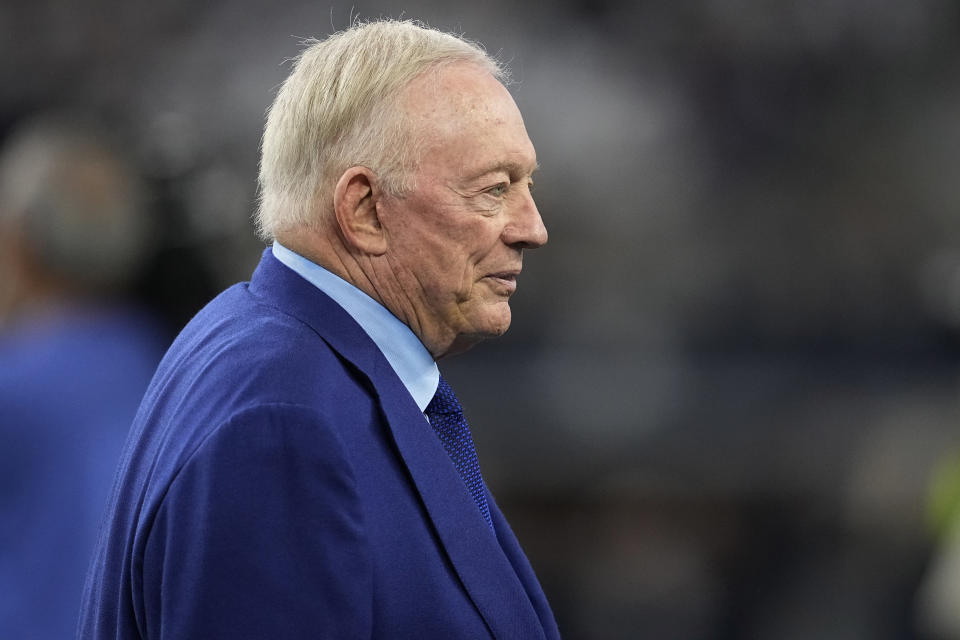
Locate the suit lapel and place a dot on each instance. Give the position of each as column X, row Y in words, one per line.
column 484, row 570
column 510, row 546
column 476, row 555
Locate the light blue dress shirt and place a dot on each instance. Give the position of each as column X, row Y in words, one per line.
column 410, row 360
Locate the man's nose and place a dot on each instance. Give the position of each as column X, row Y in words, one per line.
column 525, row 229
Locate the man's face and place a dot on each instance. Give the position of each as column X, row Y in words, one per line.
column 456, row 240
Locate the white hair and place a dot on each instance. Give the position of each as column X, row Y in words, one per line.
column 338, row 109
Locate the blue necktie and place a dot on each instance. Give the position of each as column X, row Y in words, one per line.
column 446, row 418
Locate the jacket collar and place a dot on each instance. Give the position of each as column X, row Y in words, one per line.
column 476, row 555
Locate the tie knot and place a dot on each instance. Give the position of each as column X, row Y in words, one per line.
column 444, row 401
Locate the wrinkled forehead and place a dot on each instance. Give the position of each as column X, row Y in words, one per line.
column 451, row 97
column 462, row 109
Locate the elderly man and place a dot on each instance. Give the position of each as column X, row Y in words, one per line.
column 298, row 467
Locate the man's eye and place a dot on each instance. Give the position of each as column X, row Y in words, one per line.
column 498, row 190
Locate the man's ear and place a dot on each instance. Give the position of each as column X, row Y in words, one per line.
column 355, row 205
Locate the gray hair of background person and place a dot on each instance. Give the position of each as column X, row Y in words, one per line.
column 337, row 109
column 73, row 203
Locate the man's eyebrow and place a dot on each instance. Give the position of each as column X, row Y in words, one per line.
column 513, row 168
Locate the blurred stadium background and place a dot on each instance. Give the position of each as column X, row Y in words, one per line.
column 733, row 378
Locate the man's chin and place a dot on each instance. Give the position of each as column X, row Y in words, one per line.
column 492, row 327
column 495, row 321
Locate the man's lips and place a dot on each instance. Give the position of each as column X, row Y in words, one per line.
column 505, row 281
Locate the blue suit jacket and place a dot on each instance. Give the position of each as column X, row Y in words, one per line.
column 280, row 482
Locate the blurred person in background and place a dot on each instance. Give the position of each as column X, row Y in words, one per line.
column 74, row 360
column 298, row 467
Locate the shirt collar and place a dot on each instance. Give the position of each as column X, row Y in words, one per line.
column 410, row 360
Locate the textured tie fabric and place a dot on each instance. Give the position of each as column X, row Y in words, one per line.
column 446, row 418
